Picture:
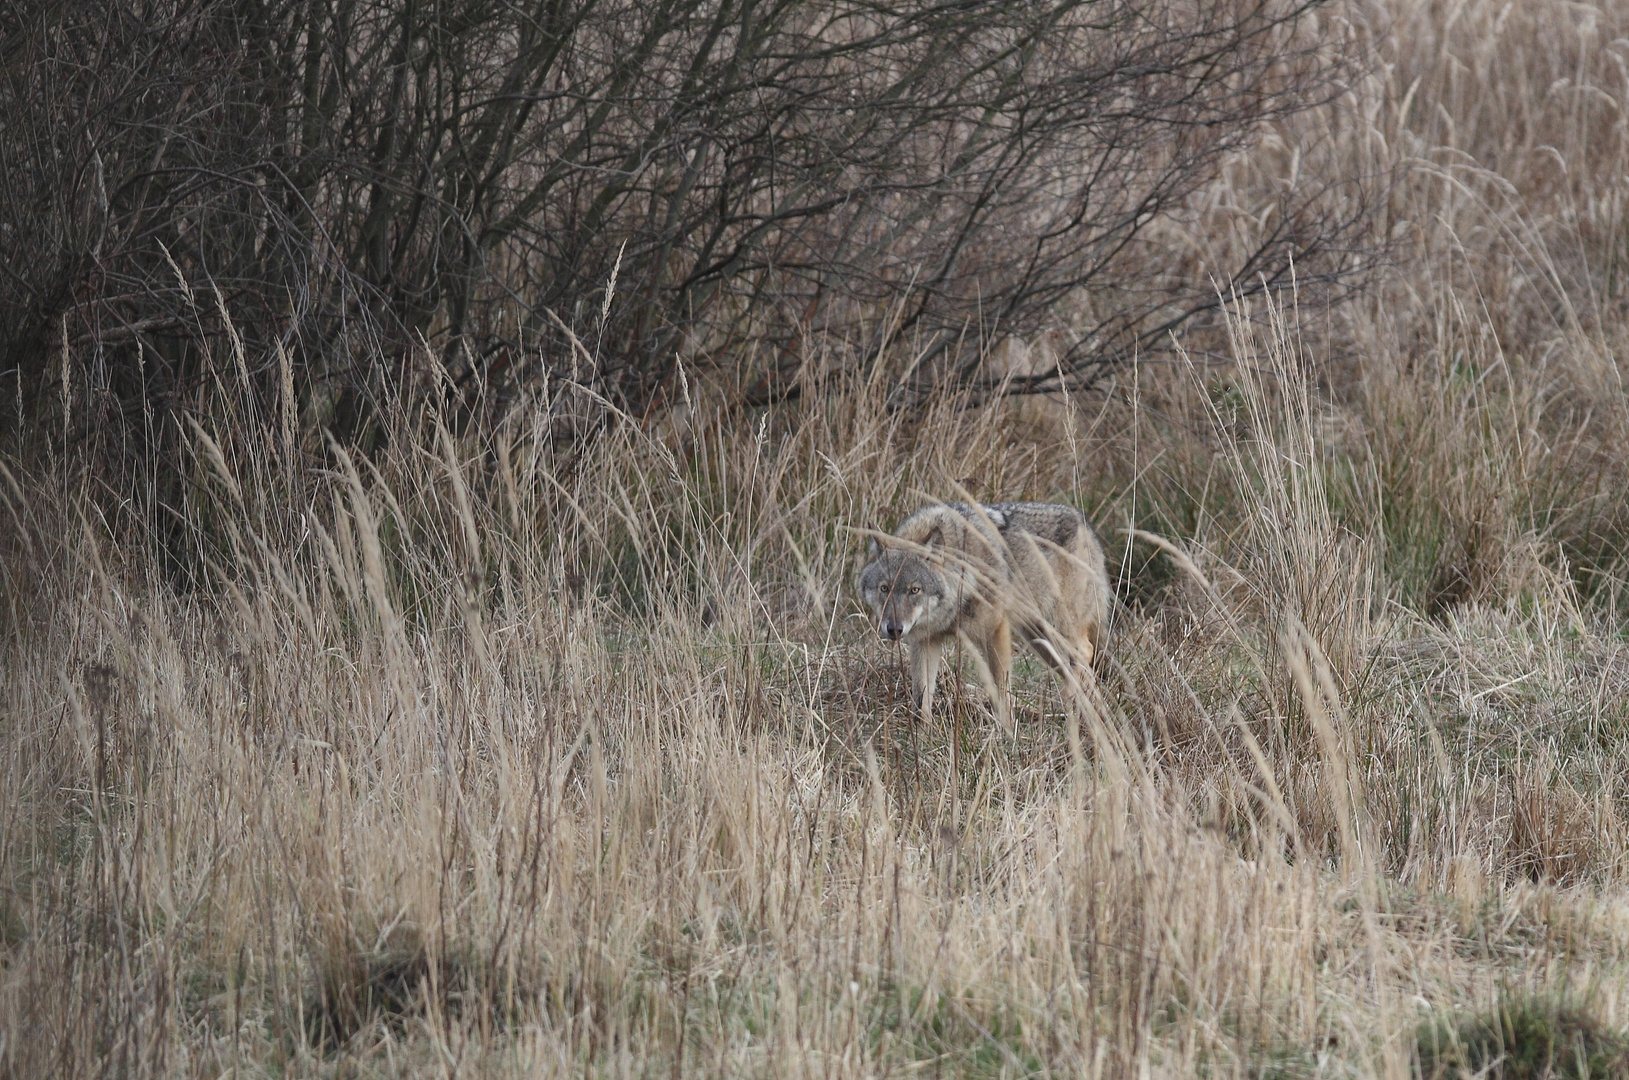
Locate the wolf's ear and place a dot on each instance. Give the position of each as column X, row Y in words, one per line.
column 873, row 550
column 934, row 539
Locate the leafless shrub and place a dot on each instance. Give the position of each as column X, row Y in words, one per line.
column 198, row 186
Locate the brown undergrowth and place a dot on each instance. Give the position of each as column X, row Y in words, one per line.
column 479, row 757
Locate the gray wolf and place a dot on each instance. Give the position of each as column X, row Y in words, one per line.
column 980, row 573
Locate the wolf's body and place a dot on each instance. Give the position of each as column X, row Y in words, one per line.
column 982, row 573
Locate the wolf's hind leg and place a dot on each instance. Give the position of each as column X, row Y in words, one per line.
column 924, row 674
column 1073, row 663
column 1086, row 660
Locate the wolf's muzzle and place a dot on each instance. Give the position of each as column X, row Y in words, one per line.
column 891, row 630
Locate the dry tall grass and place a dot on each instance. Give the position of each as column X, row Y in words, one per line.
column 476, row 759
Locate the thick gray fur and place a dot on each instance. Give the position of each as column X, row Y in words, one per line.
column 979, row 573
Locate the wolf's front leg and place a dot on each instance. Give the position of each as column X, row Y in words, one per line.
column 925, row 673
column 994, row 656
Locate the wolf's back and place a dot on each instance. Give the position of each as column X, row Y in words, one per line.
column 1061, row 525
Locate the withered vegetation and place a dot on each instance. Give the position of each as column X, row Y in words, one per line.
column 432, row 650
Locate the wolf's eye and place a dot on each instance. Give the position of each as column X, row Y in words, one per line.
column 883, row 589
column 915, row 589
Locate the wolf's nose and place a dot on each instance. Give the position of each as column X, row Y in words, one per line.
column 892, row 630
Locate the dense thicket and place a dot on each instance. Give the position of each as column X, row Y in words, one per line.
column 366, row 197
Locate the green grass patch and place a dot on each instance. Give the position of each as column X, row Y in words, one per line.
column 950, row 1036
column 1525, row 1038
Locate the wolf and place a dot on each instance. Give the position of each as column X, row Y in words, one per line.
column 979, row 573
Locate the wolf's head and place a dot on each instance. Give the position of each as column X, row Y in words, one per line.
column 903, row 591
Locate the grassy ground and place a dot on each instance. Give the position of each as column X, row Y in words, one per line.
column 478, row 758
